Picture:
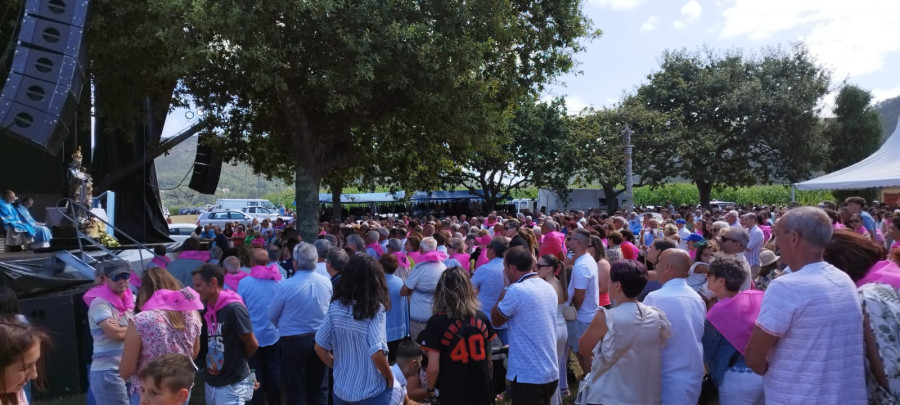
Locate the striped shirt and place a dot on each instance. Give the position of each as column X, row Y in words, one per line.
column 755, row 246
column 107, row 352
column 353, row 343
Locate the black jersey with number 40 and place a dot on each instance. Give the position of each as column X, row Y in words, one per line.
column 464, row 345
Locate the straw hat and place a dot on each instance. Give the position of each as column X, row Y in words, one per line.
column 767, row 257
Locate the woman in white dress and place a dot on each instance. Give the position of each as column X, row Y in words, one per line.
column 547, row 267
column 626, row 344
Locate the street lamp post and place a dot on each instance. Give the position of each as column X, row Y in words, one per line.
column 629, row 184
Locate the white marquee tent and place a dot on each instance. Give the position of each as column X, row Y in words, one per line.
column 881, row 169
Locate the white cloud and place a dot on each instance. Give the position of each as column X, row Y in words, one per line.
column 621, row 5
column 575, row 104
column 849, row 39
column 690, row 13
column 884, row 94
column 650, row 24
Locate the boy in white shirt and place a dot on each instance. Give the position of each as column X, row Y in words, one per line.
column 409, row 362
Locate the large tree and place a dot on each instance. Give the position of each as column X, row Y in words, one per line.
column 600, row 144
column 740, row 120
column 855, row 131
column 294, row 85
column 534, row 147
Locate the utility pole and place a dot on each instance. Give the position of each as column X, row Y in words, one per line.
column 629, row 184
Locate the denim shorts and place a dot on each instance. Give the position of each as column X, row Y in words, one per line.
column 234, row 394
column 575, row 330
column 108, row 387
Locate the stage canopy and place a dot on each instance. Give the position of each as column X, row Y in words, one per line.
column 881, row 169
column 418, row 196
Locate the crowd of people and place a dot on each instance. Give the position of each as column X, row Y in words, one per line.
column 756, row 305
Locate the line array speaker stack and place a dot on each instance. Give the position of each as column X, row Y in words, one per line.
column 41, row 93
column 207, row 168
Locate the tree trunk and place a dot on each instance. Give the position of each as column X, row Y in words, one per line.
column 306, row 192
column 336, row 188
column 705, row 189
column 612, row 197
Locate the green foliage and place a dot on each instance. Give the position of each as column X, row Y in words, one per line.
column 686, row 193
column 888, row 111
column 855, row 131
column 738, row 120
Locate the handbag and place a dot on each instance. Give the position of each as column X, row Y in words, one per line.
column 569, row 313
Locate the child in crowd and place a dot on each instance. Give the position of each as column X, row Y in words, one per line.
column 409, row 362
column 167, row 380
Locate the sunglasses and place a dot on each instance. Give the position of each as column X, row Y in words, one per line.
column 120, row 277
column 724, row 239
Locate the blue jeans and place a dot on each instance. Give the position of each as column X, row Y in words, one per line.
column 266, row 363
column 381, row 399
column 575, row 329
column 234, row 394
column 108, row 388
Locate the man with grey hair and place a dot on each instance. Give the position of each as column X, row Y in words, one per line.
column 373, row 248
column 733, row 241
column 356, row 243
column 812, row 314
column 297, row 310
column 421, row 284
column 335, row 262
column 214, row 255
column 322, row 248
column 554, row 241
column 732, row 217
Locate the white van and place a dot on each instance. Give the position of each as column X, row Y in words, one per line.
column 238, row 204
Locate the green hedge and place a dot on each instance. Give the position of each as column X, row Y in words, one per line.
column 686, row 193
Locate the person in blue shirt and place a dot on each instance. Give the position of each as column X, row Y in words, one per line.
column 398, row 317
column 488, row 280
column 258, row 290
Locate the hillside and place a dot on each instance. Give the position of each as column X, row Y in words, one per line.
column 174, row 174
column 888, row 110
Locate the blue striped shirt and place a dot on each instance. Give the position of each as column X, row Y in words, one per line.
column 353, row 343
column 398, row 317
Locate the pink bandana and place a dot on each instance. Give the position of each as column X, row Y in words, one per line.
column 463, row 259
column 232, row 280
column 123, row 304
column 265, row 273
column 160, row 261
column 225, row 297
column 483, row 240
column 402, row 260
column 436, row 256
column 376, row 247
column 194, row 255
column 885, row 271
column 185, row 299
column 735, row 317
column 482, row 258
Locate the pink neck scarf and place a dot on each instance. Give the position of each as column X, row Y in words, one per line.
column 734, row 317
column 376, row 247
column 265, row 273
column 194, row 255
column 483, row 240
column 225, row 297
column 402, row 260
column 122, row 303
column 185, row 299
column 463, row 260
column 414, row 257
column 134, row 279
column 885, row 271
column 482, row 257
column 161, row 261
column 232, row 280
column 436, row 256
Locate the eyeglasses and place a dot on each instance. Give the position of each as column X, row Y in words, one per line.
column 724, row 239
column 120, row 277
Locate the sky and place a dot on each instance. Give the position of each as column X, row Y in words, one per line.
column 858, row 41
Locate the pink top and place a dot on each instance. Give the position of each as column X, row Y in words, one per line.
column 158, row 337
column 735, row 317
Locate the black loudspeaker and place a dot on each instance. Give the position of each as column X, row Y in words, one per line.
column 207, row 169
column 39, row 99
column 63, row 315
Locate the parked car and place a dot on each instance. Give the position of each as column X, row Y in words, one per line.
column 220, row 217
column 180, row 232
column 260, row 213
column 720, row 205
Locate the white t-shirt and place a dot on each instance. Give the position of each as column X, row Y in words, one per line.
column 399, row 389
column 584, row 277
column 819, row 357
column 423, row 280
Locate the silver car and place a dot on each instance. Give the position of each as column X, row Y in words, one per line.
column 221, row 217
column 261, row 213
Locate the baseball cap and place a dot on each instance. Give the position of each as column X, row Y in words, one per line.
column 680, row 221
column 694, row 238
column 115, row 267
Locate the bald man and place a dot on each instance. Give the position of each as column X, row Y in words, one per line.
column 682, row 358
